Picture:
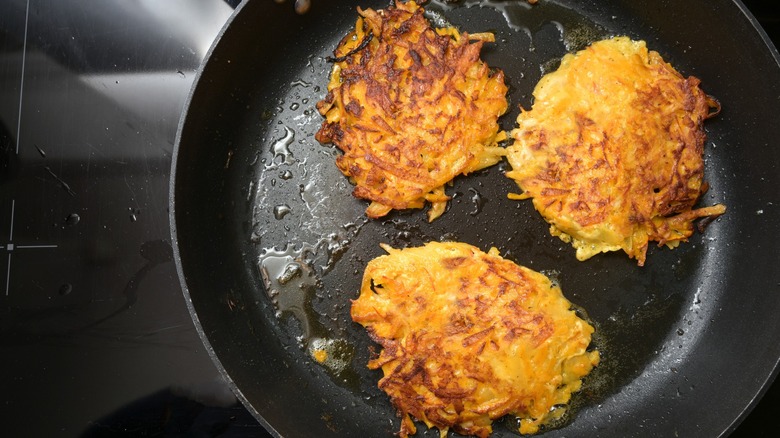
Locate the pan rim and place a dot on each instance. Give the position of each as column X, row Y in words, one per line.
column 174, row 228
column 180, row 269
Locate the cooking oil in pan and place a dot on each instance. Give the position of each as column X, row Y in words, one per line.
column 281, row 148
column 575, row 31
column 289, row 281
column 292, row 276
column 296, row 214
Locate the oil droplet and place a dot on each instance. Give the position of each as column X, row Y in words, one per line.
column 477, row 200
column 286, row 175
column 404, row 236
column 280, row 148
column 65, row 289
column 449, row 237
column 250, row 190
column 72, row 219
column 295, row 106
column 280, row 211
column 438, row 19
column 300, row 83
column 134, row 212
column 554, row 275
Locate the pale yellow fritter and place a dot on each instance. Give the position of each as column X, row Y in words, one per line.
column 468, row 337
column 612, row 151
column 411, row 108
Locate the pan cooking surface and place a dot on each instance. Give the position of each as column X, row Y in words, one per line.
column 258, row 202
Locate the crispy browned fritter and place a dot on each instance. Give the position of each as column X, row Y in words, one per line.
column 411, row 108
column 468, row 337
column 612, row 151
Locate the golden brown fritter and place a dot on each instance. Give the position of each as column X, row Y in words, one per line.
column 468, row 337
column 611, row 152
column 411, row 108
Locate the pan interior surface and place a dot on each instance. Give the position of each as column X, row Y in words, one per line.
column 271, row 245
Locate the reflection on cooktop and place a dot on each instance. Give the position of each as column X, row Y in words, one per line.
column 92, row 314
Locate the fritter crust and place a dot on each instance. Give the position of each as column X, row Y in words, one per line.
column 611, row 152
column 468, row 337
column 411, row 108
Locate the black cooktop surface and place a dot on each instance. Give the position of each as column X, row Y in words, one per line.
column 95, row 337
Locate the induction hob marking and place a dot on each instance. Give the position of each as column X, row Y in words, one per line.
column 21, row 85
column 8, row 275
column 11, row 246
column 11, row 233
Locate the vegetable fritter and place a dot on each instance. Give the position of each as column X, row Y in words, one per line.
column 411, row 107
column 612, row 151
column 468, row 337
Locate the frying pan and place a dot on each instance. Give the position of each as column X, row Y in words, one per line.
column 270, row 245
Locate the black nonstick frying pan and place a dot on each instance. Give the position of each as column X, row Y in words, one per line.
column 270, row 244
